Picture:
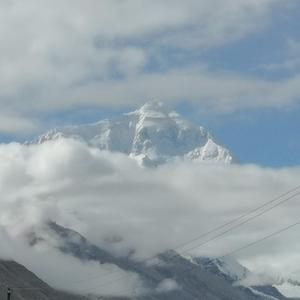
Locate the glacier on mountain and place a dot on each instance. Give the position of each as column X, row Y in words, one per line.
column 152, row 135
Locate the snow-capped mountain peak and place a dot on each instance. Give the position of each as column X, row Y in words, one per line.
column 152, row 134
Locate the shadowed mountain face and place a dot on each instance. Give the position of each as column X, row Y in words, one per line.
column 152, row 135
column 170, row 277
column 182, row 278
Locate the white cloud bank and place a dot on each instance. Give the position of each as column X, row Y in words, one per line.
column 103, row 195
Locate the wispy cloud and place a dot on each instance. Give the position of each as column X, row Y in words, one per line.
column 11, row 122
column 66, row 53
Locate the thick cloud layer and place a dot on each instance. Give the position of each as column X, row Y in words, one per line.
column 120, row 206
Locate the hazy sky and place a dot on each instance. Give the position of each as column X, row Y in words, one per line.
column 232, row 66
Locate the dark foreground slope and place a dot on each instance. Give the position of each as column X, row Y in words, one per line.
column 26, row 285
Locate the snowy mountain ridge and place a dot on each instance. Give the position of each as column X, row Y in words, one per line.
column 151, row 134
column 227, row 267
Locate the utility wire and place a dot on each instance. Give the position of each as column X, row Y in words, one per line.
column 239, row 217
column 262, row 239
column 224, row 225
column 25, row 288
column 252, row 243
column 248, row 213
column 242, row 223
column 223, row 256
column 115, row 280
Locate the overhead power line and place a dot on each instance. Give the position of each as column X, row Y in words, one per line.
column 266, row 237
column 251, row 217
column 215, row 229
column 249, row 213
column 219, row 257
column 239, row 217
column 223, row 233
column 262, row 239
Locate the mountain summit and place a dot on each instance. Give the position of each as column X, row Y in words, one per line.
column 151, row 134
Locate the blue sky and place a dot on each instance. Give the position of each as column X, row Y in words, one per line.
column 268, row 137
column 231, row 66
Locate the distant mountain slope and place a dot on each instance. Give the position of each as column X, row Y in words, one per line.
column 152, row 135
column 226, row 268
column 233, row 272
column 191, row 279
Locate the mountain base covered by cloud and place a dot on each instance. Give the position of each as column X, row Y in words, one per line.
column 137, row 212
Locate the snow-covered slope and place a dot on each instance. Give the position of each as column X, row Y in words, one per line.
column 233, row 272
column 152, row 135
column 227, row 268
